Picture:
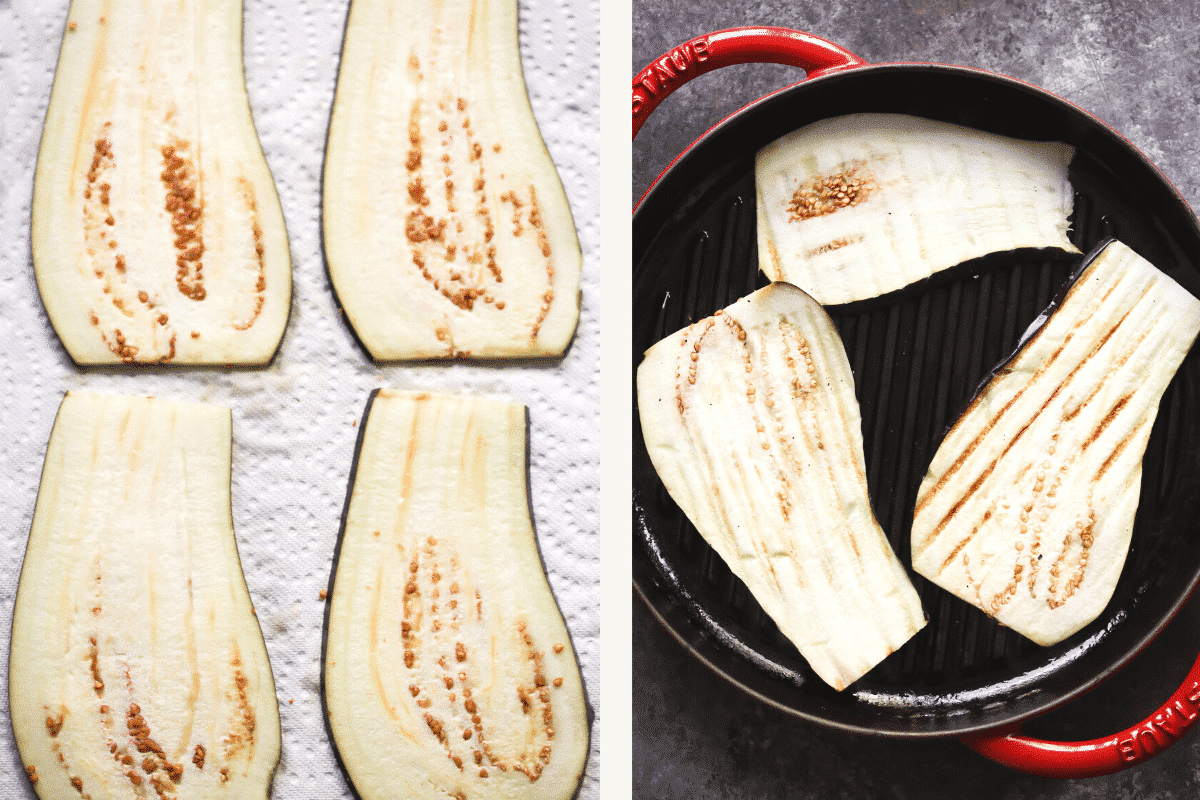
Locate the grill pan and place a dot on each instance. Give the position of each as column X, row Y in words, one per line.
column 917, row 355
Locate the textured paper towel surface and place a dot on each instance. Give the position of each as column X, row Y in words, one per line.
column 294, row 422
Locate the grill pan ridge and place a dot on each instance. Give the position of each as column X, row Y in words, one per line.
column 918, row 355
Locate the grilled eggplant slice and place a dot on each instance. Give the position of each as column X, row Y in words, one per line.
column 448, row 669
column 137, row 666
column 157, row 232
column 751, row 421
column 857, row 206
column 447, row 231
column 1027, row 508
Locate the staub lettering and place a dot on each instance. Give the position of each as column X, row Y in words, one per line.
column 1161, row 730
column 669, row 72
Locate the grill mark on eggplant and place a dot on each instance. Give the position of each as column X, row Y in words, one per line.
column 966, row 539
column 925, row 499
column 1120, row 362
column 1081, row 323
column 785, row 451
column 720, row 500
column 1118, row 450
column 785, row 383
column 1108, row 419
column 811, row 433
column 1069, row 534
column 1068, row 415
column 942, row 481
column 795, row 350
column 846, row 434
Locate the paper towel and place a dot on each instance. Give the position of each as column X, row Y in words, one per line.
column 295, row 421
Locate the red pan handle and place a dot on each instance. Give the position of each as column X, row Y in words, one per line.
column 734, row 46
column 1099, row 756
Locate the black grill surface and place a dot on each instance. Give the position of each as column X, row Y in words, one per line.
column 918, row 356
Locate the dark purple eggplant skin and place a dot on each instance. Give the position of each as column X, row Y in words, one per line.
column 337, row 551
column 133, row 369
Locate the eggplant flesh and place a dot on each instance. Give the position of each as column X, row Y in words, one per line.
column 157, row 231
column 1027, row 508
column 137, row 666
column 446, row 229
column 448, row 669
column 751, row 422
column 857, row 206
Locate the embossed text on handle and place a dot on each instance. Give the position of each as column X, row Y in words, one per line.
column 669, row 71
column 1161, row 730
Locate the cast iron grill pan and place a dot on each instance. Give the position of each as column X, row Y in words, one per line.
column 918, row 356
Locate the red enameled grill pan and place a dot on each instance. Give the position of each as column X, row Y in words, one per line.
column 917, row 355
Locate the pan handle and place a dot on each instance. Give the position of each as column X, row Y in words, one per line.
column 1104, row 756
column 733, row 46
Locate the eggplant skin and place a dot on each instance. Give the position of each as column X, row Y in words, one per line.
column 446, row 229
column 751, row 422
column 140, row 665
column 1027, row 508
column 447, row 668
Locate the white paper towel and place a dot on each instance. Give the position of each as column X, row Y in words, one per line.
column 295, row 421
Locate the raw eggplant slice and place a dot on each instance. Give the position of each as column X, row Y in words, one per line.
column 448, row 669
column 857, row 206
column 447, row 231
column 1027, row 508
column 750, row 419
column 157, row 232
column 137, row 666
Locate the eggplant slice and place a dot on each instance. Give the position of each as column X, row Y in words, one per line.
column 157, row 231
column 137, row 666
column 1027, row 508
column 857, row 206
column 447, row 231
column 448, row 669
column 750, row 419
